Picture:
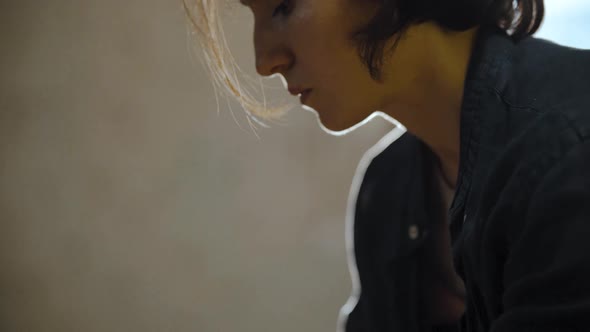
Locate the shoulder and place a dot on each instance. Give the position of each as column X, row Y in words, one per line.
column 548, row 139
column 541, row 76
column 544, row 106
column 543, row 170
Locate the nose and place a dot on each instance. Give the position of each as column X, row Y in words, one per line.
column 272, row 52
column 272, row 63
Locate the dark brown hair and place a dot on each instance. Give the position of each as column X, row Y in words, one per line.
column 519, row 18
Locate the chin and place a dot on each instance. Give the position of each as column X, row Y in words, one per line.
column 339, row 126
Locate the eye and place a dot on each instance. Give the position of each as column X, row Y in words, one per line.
column 284, row 8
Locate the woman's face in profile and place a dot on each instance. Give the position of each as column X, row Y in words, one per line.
column 308, row 43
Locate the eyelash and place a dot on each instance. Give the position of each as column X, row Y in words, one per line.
column 283, row 8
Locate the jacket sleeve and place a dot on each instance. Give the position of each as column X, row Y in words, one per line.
column 547, row 271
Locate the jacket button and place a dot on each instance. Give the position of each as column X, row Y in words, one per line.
column 413, row 232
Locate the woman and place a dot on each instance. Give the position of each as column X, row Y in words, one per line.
column 478, row 217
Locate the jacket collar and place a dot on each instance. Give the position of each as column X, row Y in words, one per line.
column 490, row 54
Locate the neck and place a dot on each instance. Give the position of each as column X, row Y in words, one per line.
column 431, row 107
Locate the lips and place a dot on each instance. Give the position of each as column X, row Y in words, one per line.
column 296, row 90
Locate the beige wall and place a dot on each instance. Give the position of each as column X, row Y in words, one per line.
column 128, row 204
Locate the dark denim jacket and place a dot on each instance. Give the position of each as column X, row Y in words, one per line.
column 520, row 218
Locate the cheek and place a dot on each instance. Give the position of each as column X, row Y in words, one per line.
column 342, row 82
column 328, row 62
column 350, row 88
column 330, row 65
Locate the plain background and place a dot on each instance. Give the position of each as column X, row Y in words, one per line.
column 128, row 203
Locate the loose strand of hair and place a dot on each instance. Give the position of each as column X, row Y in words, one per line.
column 203, row 17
